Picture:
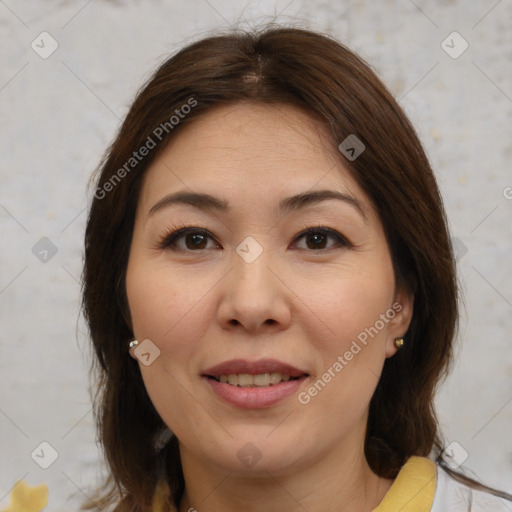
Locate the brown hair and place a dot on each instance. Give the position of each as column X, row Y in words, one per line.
column 319, row 75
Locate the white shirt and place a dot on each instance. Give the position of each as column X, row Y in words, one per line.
column 453, row 496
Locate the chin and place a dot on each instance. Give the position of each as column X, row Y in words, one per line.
column 253, row 451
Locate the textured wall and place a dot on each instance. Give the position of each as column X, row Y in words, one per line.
column 59, row 113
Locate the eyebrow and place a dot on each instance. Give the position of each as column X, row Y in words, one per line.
column 208, row 202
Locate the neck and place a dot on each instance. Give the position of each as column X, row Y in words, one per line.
column 340, row 480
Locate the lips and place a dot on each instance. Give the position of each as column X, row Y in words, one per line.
column 254, row 384
column 242, row 366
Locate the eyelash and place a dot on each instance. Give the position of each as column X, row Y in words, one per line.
column 168, row 241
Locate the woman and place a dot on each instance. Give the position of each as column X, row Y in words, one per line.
column 268, row 243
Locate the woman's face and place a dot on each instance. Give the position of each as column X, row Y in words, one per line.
column 283, row 286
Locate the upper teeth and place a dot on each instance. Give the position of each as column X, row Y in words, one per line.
column 245, row 380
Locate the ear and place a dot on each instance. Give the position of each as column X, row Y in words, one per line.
column 131, row 352
column 403, row 304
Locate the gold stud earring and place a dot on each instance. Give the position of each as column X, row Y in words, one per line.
column 399, row 343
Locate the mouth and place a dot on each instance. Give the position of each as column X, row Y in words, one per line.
column 261, row 380
column 261, row 373
column 256, row 384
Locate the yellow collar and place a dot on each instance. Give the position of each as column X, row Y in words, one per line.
column 413, row 489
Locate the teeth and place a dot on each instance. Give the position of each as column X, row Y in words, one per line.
column 245, row 380
column 275, row 378
column 261, row 380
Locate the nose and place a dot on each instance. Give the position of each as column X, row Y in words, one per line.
column 255, row 295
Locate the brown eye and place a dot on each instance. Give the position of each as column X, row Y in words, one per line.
column 187, row 239
column 317, row 238
column 195, row 240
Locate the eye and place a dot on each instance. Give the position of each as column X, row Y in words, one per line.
column 193, row 238
column 317, row 236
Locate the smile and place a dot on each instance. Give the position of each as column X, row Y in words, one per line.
column 254, row 384
column 244, row 380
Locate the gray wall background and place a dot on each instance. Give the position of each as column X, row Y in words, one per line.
column 59, row 113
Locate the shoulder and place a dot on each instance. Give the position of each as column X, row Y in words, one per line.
column 458, row 497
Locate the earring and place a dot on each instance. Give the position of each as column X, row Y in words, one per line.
column 399, row 343
column 133, row 343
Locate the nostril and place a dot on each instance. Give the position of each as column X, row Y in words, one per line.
column 269, row 321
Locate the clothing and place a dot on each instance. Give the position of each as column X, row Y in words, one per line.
column 413, row 489
column 456, row 497
column 420, row 486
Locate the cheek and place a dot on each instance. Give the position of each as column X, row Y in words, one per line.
column 351, row 340
column 165, row 307
column 170, row 311
column 352, row 356
column 349, row 305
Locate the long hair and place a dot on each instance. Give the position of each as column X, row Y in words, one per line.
column 317, row 74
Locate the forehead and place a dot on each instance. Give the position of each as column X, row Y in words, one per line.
column 269, row 150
